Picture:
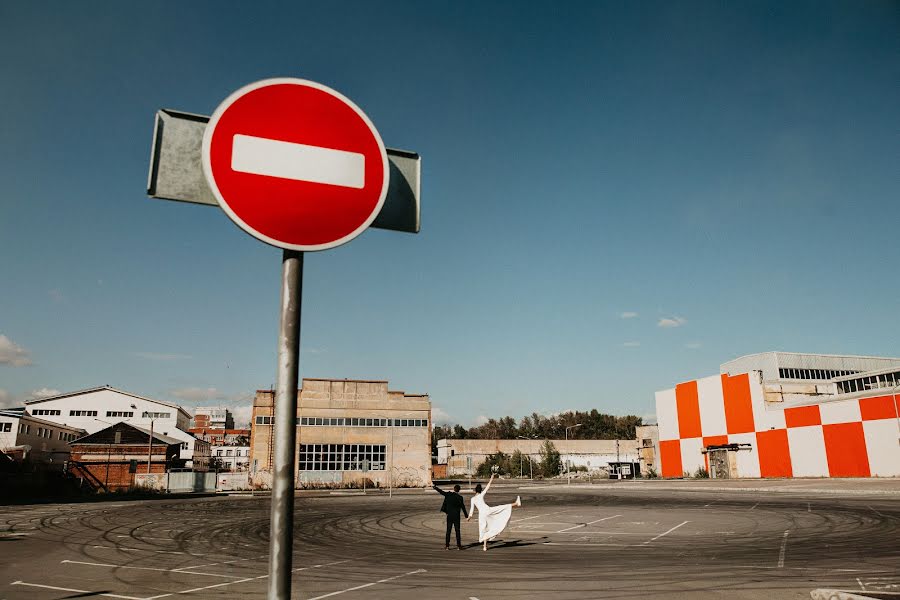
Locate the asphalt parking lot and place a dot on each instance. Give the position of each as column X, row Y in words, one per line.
column 600, row 541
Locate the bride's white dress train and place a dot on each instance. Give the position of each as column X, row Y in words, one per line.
column 491, row 519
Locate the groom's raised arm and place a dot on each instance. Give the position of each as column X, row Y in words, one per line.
column 439, row 490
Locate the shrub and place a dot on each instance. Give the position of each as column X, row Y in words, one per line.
column 701, row 473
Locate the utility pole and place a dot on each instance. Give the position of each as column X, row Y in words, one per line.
column 568, row 474
column 150, row 446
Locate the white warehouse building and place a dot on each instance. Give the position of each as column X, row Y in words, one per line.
column 97, row 408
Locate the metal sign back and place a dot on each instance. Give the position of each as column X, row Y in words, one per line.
column 176, row 172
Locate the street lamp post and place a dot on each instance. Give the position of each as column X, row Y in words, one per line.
column 530, row 462
column 568, row 474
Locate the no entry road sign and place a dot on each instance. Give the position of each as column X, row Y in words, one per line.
column 295, row 164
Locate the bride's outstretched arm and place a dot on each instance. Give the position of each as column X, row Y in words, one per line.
column 471, row 509
column 488, row 486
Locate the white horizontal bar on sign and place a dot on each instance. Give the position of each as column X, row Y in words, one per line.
column 300, row 162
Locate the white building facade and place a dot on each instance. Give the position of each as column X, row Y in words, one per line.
column 35, row 439
column 231, row 458
column 98, row 408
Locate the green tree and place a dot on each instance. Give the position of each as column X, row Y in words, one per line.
column 499, row 460
column 550, row 459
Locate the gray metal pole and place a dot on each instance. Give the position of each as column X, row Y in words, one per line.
column 150, row 449
column 281, row 532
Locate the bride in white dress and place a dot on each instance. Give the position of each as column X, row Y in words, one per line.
column 491, row 519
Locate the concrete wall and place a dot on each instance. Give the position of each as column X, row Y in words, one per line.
column 593, row 454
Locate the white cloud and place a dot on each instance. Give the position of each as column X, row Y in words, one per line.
column 649, row 419
column 693, row 345
column 480, row 420
column 6, row 399
column 439, row 416
column 198, row 394
column 162, row 356
column 44, row 393
column 628, row 315
column 631, row 344
column 12, row 354
column 669, row 322
column 242, row 415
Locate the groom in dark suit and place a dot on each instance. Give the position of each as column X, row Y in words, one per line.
column 453, row 503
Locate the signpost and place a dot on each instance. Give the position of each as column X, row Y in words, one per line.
column 299, row 166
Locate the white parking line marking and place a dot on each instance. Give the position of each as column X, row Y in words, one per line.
column 586, row 524
column 808, row 507
column 543, row 515
column 62, row 589
column 218, row 585
column 181, row 570
column 365, row 585
column 665, row 533
column 783, row 549
column 300, row 162
column 754, row 506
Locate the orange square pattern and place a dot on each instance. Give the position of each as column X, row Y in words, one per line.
column 802, row 416
column 882, row 407
column 670, row 458
column 774, row 453
column 845, row 447
column 738, row 407
column 688, row 406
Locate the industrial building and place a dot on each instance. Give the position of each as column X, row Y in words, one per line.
column 97, row 408
column 462, row 456
column 348, row 430
column 213, row 417
column 780, row 414
column 39, row 441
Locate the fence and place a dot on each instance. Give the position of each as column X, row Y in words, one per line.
column 192, row 481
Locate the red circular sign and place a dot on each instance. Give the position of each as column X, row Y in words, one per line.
column 295, row 164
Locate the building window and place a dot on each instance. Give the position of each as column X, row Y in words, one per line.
column 82, row 413
column 218, row 453
column 265, row 420
column 341, row 457
column 228, row 453
column 119, row 413
column 155, row 415
column 5, row 427
column 45, row 411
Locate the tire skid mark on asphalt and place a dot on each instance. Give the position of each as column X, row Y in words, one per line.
column 586, row 524
column 181, row 570
column 62, row 589
column 365, row 585
column 244, row 580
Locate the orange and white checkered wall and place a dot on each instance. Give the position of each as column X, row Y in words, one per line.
column 847, row 438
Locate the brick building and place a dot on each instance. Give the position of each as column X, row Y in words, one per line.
column 108, row 459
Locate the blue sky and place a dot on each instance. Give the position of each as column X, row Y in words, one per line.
column 616, row 197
